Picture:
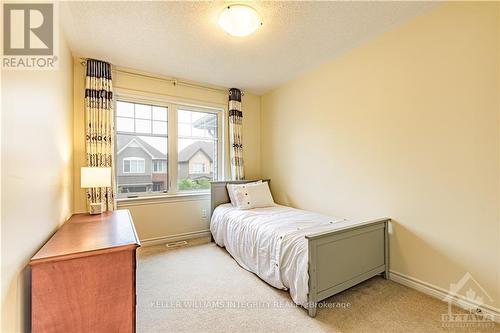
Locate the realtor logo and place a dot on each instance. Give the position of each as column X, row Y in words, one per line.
column 28, row 29
column 474, row 299
column 28, row 36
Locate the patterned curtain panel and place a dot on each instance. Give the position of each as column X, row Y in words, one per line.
column 99, row 131
column 235, row 122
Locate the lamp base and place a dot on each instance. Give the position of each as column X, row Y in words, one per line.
column 95, row 208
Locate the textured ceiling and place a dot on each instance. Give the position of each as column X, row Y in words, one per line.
column 183, row 40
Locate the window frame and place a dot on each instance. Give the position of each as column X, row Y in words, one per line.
column 130, row 159
column 134, row 118
column 173, row 104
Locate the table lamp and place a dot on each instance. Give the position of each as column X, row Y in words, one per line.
column 95, row 177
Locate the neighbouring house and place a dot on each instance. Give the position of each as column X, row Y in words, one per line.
column 195, row 161
column 140, row 167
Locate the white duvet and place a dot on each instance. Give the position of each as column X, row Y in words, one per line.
column 271, row 243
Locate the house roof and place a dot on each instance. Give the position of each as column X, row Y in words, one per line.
column 184, row 155
column 123, row 140
column 188, row 152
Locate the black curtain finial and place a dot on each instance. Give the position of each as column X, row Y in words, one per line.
column 235, row 94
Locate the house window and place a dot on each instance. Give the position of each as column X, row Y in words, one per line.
column 159, row 166
column 133, row 165
column 142, row 146
column 198, row 168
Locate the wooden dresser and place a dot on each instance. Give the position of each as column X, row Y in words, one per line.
column 83, row 278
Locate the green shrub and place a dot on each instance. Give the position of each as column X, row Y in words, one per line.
column 190, row 184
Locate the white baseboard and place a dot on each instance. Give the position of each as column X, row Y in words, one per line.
column 441, row 294
column 175, row 238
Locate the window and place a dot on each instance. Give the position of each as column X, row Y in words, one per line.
column 198, row 168
column 197, row 142
column 159, row 166
column 133, row 165
column 145, row 161
column 141, row 148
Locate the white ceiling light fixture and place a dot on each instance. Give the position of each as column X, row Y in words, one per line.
column 239, row 20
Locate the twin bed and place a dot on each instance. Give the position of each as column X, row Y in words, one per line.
column 314, row 256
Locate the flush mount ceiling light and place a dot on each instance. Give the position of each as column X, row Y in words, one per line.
column 239, row 20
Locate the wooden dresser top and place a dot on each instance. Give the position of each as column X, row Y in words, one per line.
column 85, row 234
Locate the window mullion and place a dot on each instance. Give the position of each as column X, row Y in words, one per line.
column 134, row 119
column 220, row 148
column 172, row 148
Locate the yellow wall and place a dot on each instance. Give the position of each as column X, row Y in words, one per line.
column 37, row 166
column 405, row 126
column 162, row 218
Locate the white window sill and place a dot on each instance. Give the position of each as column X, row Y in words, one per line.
column 162, row 198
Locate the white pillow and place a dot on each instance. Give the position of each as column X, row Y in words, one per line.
column 231, row 189
column 230, row 192
column 241, row 197
column 251, row 195
column 260, row 195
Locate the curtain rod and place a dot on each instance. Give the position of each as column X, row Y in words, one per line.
column 175, row 82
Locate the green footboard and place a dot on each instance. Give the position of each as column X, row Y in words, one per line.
column 345, row 257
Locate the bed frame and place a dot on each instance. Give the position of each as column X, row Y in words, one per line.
column 338, row 259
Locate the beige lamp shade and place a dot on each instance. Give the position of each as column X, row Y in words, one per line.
column 95, row 177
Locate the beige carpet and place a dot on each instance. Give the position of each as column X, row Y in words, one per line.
column 200, row 288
